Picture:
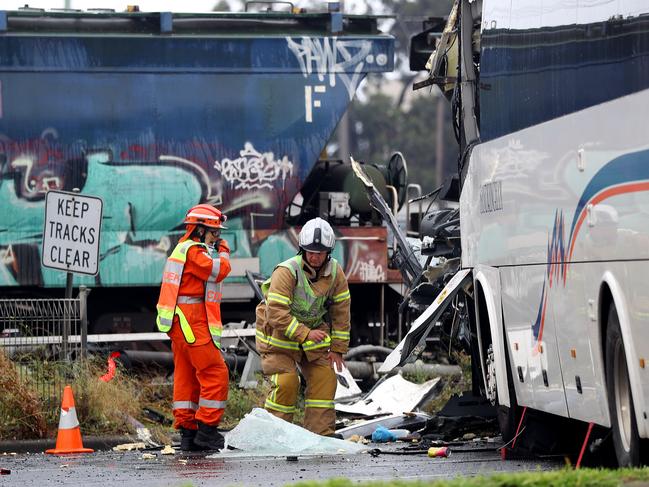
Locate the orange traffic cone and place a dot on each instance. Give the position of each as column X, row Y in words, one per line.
column 68, row 439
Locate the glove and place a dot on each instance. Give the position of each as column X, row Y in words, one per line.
column 223, row 246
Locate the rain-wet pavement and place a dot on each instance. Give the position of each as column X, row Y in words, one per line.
column 129, row 468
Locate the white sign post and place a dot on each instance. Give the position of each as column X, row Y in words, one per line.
column 71, row 232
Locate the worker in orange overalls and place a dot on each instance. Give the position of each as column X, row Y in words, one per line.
column 189, row 311
column 304, row 321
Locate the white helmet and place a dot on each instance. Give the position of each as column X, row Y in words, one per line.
column 317, row 236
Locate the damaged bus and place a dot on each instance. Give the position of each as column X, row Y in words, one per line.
column 549, row 101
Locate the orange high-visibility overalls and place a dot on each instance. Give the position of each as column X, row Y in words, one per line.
column 189, row 311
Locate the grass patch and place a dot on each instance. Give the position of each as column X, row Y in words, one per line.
column 103, row 408
column 21, row 410
column 557, row 478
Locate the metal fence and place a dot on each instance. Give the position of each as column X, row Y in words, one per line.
column 43, row 338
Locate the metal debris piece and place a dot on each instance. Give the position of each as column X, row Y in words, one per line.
column 394, row 395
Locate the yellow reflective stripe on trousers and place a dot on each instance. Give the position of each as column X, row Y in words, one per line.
column 311, row 345
column 341, row 297
column 280, row 298
column 216, row 332
column 271, row 401
column 279, row 407
column 339, row 335
column 275, row 380
column 319, row 403
column 292, row 328
column 276, row 342
column 185, row 327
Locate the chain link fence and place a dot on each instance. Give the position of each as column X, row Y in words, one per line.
column 43, row 338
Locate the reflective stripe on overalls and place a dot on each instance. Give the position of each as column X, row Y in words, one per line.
column 305, row 306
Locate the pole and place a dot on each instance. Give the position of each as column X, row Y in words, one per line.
column 439, row 144
column 382, row 311
column 83, row 312
column 67, row 312
column 344, row 145
column 68, row 308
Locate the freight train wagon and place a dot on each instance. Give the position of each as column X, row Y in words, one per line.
column 156, row 112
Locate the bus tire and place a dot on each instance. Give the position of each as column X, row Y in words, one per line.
column 626, row 440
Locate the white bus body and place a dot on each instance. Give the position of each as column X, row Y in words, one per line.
column 555, row 203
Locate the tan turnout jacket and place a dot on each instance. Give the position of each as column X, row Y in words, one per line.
column 274, row 317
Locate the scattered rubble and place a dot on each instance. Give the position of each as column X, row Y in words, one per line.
column 130, row 446
column 168, row 450
column 392, row 395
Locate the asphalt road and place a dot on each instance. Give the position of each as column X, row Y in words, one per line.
column 129, row 468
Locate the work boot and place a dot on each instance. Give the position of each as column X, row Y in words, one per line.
column 187, row 440
column 208, row 437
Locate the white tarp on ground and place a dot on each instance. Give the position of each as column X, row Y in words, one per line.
column 395, row 395
column 261, row 433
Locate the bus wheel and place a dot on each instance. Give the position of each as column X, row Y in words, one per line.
column 626, row 440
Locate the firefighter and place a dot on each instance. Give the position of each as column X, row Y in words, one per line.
column 304, row 322
column 189, row 312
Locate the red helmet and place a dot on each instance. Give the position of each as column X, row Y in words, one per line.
column 205, row 215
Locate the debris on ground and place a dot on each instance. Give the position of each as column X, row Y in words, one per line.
column 442, row 451
column 346, row 387
column 383, row 435
column 259, row 432
column 148, row 456
column 130, row 446
column 358, row 439
column 365, row 427
column 168, row 450
column 463, row 417
column 392, row 395
column 143, row 433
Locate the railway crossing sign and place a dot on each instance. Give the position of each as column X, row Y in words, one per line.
column 71, row 232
